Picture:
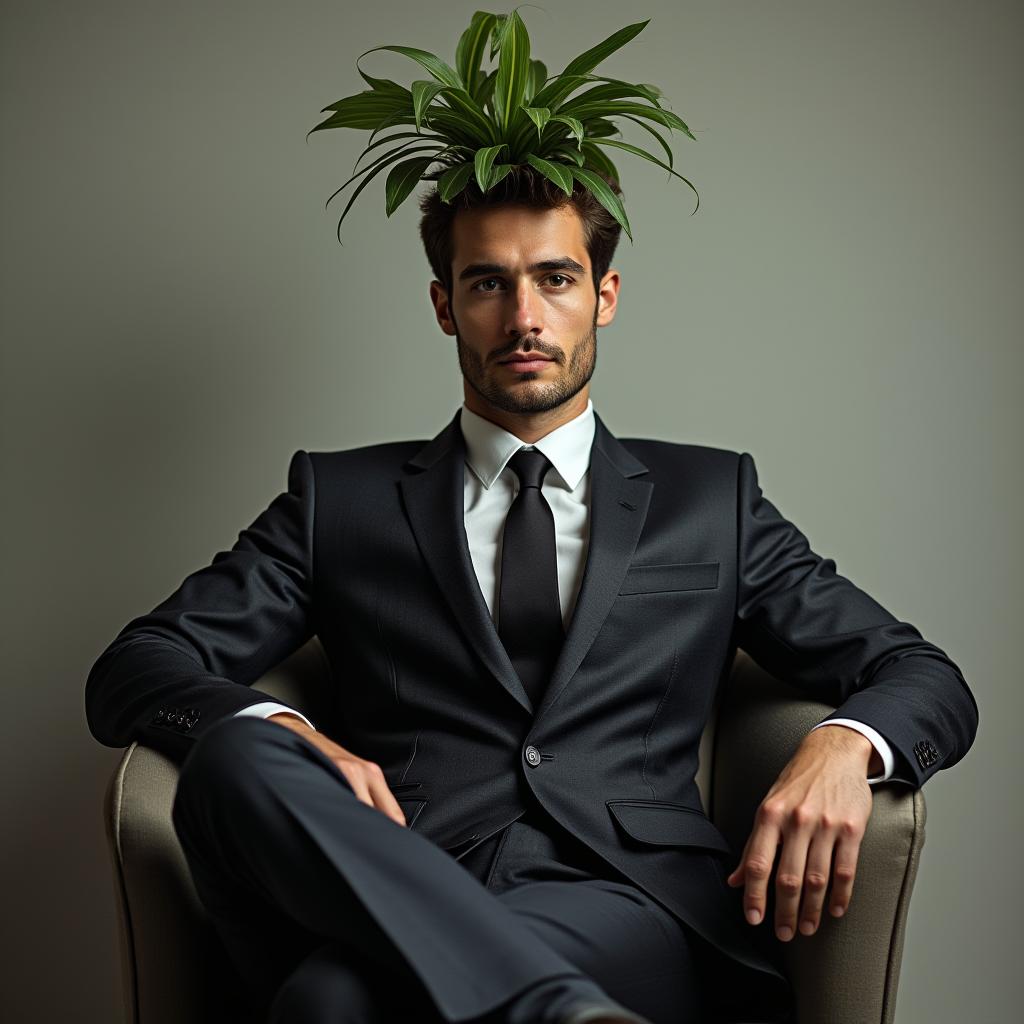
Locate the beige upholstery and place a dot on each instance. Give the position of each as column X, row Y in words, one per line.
column 174, row 969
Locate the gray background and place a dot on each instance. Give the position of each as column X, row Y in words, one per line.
column 178, row 318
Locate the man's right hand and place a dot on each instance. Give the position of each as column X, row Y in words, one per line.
column 365, row 777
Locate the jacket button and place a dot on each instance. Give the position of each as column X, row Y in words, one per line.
column 160, row 715
column 533, row 756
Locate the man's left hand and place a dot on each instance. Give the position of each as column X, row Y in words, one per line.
column 819, row 804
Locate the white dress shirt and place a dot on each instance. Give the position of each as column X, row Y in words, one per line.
column 490, row 488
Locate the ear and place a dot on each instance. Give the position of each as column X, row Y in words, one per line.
column 607, row 298
column 442, row 310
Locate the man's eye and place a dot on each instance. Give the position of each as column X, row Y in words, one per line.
column 488, row 280
column 562, row 277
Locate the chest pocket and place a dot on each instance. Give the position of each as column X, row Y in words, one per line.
column 670, row 576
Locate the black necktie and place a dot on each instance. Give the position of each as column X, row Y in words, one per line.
column 529, row 611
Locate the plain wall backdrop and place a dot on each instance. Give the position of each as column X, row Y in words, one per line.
column 178, row 317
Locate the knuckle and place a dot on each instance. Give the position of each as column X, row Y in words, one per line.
column 788, row 883
column 849, row 827
column 802, row 815
column 758, row 867
column 828, row 820
column 845, row 872
column 771, row 812
column 816, row 880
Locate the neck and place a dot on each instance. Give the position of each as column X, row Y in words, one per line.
column 528, row 426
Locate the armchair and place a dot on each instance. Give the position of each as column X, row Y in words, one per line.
column 174, row 970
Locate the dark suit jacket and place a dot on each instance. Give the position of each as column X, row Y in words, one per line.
column 687, row 560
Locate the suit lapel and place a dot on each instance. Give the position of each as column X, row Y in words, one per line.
column 434, row 504
column 618, row 510
column 433, row 498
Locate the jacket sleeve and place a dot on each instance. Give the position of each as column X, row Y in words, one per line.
column 172, row 673
column 804, row 623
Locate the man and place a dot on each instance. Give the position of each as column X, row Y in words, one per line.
column 526, row 620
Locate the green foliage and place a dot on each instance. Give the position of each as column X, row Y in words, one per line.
column 466, row 119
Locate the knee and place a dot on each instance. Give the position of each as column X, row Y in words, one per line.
column 326, row 988
column 225, row 764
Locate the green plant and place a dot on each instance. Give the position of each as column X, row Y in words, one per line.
column 476, row 125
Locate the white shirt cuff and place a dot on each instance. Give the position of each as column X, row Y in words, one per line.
column 267, row 708
column 878, row 741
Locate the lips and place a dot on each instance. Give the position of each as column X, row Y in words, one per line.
column 521, row 357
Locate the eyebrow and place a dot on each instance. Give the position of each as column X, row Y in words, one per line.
column 563, row 263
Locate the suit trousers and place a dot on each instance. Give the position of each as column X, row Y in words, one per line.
column 331, row 911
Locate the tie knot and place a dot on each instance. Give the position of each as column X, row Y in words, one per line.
column 529, row 466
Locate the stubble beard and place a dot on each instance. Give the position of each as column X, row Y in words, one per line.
column 532, row 398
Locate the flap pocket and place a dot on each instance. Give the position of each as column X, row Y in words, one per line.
column 667, row 824
column 412, row 806
column 467, row 841
column 653, row 579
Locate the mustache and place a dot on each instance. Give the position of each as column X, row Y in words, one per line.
column 532, row 346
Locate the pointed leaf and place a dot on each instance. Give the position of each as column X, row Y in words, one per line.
column 539, row 116
column 496, row 30
column 568, row 153
column 366, row 181
column 604, row 195
column 558, row 173
column 554, row 93
column 536, row 79
column 422, row 93
column 661, row 139
column 364, row 110
column 513, row 69
column 475, row 119
column 596, row 160
column 389, row 157
column 391, row 138
column 482, row 164
column 434, row 65
column 470, row 51
column 658, row 114
column 384, row 85
column 647, row 156
column 574, row 124
column 499, row 172
column 591, row 58
column 402, row 180
column 453, row 181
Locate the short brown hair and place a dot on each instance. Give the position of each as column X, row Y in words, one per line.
column 524, row 185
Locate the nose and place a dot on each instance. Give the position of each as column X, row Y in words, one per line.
column 524, row 315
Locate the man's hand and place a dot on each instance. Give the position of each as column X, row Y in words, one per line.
column 820, row 802
column 365, row 777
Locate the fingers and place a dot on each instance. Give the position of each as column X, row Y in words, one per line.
column 757, row 861
column 847, row 853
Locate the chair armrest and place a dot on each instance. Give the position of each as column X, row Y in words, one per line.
column 848, row 971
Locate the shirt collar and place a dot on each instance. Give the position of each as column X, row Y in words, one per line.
column 489, row 447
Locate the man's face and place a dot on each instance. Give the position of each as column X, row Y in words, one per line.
column 521, row 286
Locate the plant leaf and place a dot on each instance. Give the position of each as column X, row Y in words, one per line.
column 434, row 65
column 499, row 172
column 539, row 116
column 558, row 173
column 661, row 139
column 557, row 89
column 591, row 58
column 569, row 153
column 384, row 85
column 596, row 160
column 637, row 151
column 659, row 114
column 496, row 30
column 470, row 52
column 604, row 195
column 364, row 110
column 391, row 138
column 366, row 181
column 513, row 69
column 402, row 180
column 475, row 119
column 389, row 157
column 536, row 79
column 422, row 93
column 454, row 180
column 482, row 164
column 574, row 124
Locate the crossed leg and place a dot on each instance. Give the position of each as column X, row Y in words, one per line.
column 331, row 911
